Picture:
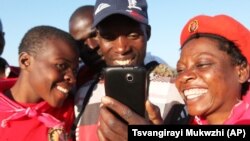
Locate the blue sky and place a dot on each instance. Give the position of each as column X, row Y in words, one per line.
column 167, row 17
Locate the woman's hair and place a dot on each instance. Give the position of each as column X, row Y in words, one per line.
column 230, row 48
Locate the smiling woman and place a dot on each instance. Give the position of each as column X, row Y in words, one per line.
column 39, row 98
column 213, row 70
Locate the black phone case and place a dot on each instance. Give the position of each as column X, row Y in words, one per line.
column 127, row 85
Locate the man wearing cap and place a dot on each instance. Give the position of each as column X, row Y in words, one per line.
column 213, row 70
column 123, row 31
column 80, row 27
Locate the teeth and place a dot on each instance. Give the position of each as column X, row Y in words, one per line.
column 193, row 93
column 63, row 90
column 123, row 62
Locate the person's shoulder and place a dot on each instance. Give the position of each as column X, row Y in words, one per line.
column 7, row 83
column 151, row 57
column 161, row 68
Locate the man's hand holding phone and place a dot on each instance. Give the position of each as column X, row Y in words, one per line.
column 113, row 129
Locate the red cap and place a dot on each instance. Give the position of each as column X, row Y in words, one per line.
column 221, row 25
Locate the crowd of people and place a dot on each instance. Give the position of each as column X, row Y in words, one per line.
column 58, row 92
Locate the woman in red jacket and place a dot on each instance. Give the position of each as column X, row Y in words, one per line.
column 213, row 70
column 37, row 105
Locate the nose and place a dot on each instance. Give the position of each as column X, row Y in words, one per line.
column 121, row 46
column 70, row 76
column 186, row 76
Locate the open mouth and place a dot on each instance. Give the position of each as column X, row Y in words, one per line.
column 194, row 93
column 123, row 62
column 63, row 90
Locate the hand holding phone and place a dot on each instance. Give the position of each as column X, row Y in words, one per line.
column 128, row 85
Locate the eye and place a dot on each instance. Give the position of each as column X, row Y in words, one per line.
column 61, row 66
column 203, row 65
column 179, row 70
column 133, row 35
column 108, row 36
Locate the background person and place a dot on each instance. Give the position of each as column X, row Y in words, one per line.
column 80, row 27
column 6, row 70
column 2, row 41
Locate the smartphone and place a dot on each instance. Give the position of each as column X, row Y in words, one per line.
column 128, row 85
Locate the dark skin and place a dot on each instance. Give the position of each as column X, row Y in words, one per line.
column 48, row 76
column 112, row 129
column 3, row 64
column 123, row 41
column 208, row 80
column 80, row 27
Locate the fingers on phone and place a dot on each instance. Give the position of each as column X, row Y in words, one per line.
column 110, row 127
column 154, row 113
column 117, row 107
column 127, row 113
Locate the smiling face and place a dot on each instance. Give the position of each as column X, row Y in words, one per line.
column 80, row 27
column 49, row 75
column 207, row 79
column 122, row 41
column 81, row 30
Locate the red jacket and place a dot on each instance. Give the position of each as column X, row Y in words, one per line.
column 33, row 122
